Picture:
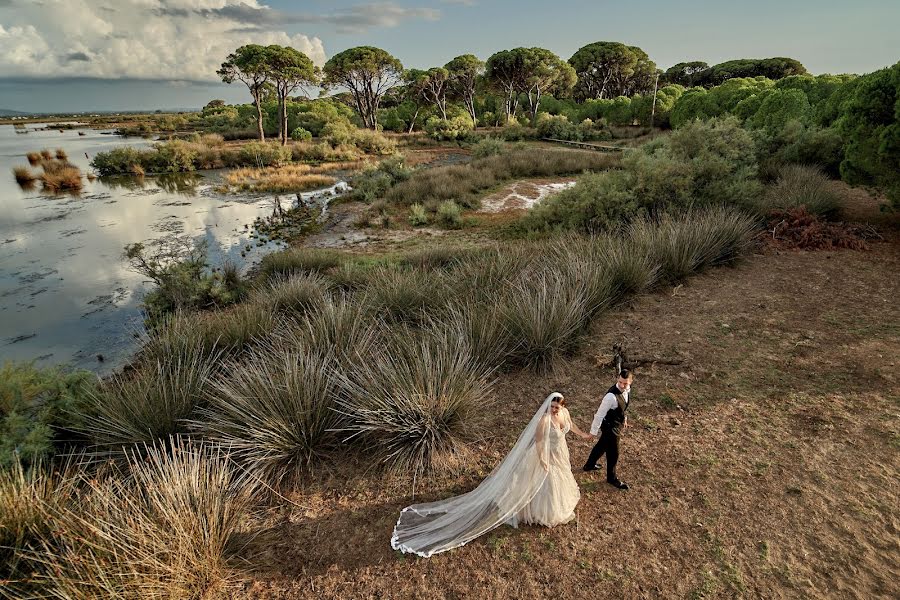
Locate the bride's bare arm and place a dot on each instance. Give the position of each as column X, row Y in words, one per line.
column 576, row 429
column 539, row 436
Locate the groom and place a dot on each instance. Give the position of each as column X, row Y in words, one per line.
column 609, row 422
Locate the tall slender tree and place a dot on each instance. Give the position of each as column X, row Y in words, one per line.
column 465, row 72
column 289, row 69
column 367, row 73
column 250, row 65
column 505, row 71
column 436, row 85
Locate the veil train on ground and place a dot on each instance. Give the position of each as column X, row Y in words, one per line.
column 432, row 527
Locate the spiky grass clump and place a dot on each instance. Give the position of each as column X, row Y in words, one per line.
column 545, row 314
column 344, row 327
column 633, row 268
column 803, row 185
column 165, row 532
column 439, row 257
column 24, row 496
column 274, row 411
column 151, row 405
column 297, row 261
column 690, row 242
column 24, row 176
column 60, row 176
column 239, row 327
column 404, row 294
column 297, row 294
column 481, row 328
column 480, row 276
column 584, row 260
column 34, row 158
column 411, row 401
column 350, row 276
column 61, row 154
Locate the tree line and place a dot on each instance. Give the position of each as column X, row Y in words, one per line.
column 597, row 71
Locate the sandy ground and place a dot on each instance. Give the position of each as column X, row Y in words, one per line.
column 764, row 465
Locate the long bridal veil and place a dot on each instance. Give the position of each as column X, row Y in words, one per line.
column 433, row 527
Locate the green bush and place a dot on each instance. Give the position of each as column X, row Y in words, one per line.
column 37, row 407
column 301, row 135
column 264, row 154
column 456, row 128
column 489, row 146
column 417, row 216
column 374, row 182
column 449, row 215
column 802, row 185
column 703, row 163
column 119, row 161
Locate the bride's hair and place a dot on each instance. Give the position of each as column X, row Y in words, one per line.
column 561, row 400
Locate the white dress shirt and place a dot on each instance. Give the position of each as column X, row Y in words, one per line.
column 607, row 404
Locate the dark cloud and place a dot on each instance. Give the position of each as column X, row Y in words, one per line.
column 78, row 56
column 349, row 20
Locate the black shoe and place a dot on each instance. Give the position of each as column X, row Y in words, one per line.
column 594, row 468
column 618, row 484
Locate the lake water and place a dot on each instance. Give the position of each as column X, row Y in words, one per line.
column 66, row 294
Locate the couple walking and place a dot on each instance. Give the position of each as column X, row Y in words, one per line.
column 533, row 484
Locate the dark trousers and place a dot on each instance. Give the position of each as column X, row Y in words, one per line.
column 607, row 444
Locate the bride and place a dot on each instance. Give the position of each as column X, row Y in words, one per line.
column 533, row 484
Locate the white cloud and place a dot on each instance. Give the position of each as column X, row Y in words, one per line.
column 139, row 39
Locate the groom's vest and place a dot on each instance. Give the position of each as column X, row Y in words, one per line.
column 615, row 416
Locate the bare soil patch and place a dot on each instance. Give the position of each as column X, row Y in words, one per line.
column 522, row 195
column 765, row 465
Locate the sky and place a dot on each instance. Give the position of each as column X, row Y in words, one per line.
column 86, row 55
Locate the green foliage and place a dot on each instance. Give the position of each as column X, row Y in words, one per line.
column 36, row 407
column 799, row 143
column 418, row 217
column 263, row 154
column 368, row 72
column 802, row 186
column 870, row 125
column 780, row 107
column 301, row 135
column 610, row 69
column 703, row 163
column 449, row 215
column 770, row 68
column 372, row 183
column 457, row 128
column 489, row 146
column 297, row 261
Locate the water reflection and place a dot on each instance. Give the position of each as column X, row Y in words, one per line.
column 66, row 294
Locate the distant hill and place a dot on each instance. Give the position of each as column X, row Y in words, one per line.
column 5, row 112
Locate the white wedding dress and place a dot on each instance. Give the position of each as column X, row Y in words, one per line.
column 518, row 490
column 555, row 501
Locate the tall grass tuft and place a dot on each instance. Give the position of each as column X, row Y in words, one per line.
column 273, row 411
column 152, row 404
column 344, row 327
column 34, row 158
column 61, row 154
column 803, row 185
column 688, row 243
column 545, row 314
column 165, row 532
column 25, row 494
column 633, row 268
column 24, row 176
column 480, row 326
column 412, row 401
column 297, row 294
column 404, row 294
column 298, row 261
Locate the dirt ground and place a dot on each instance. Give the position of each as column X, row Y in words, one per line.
column 764, row 465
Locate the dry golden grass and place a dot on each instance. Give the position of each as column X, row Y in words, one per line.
column 24, row 176
column 288, row 178
column 33, row 158
column 61, row 154
column 60, row 176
